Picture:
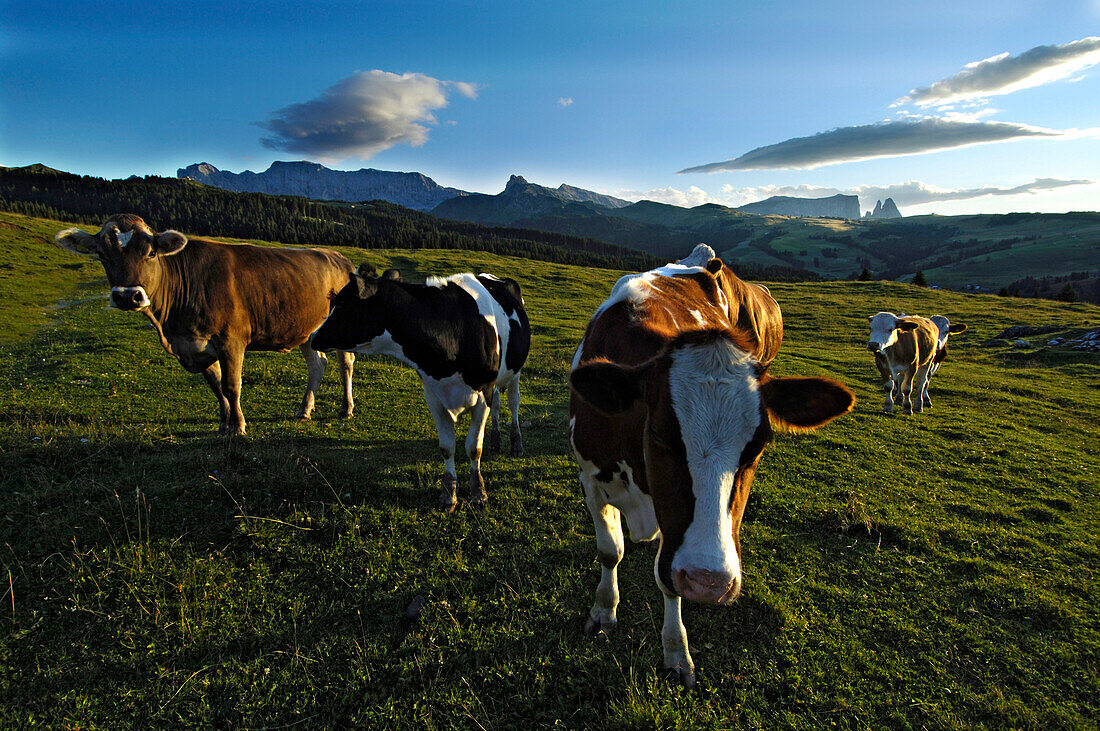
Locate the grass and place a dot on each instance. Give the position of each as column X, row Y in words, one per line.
column 936, row 571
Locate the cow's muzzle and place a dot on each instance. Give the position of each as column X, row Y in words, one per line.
column 874, row 347
column 707, row 587
column 129, row 298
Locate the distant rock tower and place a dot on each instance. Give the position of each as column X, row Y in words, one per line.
column 884, row 210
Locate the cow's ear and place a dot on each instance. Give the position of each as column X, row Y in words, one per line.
column 77, row 241
column 169, row 242
column 957, row 328
column 714, row 266
column 609, row 387
column 908, row 325
column 393, row 275
column 804, row 403
column 365, row 287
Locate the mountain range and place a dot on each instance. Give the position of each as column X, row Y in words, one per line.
column 312, row 180
column 519, row 199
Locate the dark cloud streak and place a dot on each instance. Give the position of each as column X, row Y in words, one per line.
column 865, row 142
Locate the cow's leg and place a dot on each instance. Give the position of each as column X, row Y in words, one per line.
column 513, row 407
column 609, row 547
column 920, row 387
column 478, row 416
column 315, row 363
column 347, row 365
column 445, row 428
column 213, row 376
column 674, row 639
column 232, row 361
column 890, row 386
column 907, row 392
column 494, row 429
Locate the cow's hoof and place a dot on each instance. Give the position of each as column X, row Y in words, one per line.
column 517, row 450
column 680, row 676
column 301, row 416
column 599, row 628
column 446, row 506
column 494, row 442
column 908, row 412
column 346, row 413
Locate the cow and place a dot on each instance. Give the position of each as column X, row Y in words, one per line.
column 209, row 302
column 904, row 349
column 946, row 329
column 466, row 336
column 671, row 408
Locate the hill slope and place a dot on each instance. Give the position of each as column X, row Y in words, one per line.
column 935, row 571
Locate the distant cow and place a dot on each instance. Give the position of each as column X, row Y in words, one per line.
column 671, row 409
column 464, row 335
column 904, row 349
column 210, row 302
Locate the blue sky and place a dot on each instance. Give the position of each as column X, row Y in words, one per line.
column 949, row 107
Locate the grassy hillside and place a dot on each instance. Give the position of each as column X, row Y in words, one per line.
column 934, row 571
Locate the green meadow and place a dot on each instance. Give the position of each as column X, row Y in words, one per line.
column 931, row 571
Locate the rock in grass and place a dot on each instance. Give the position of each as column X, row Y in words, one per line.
column 416, row 606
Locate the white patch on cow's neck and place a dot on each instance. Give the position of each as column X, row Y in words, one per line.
column 698, row 317
column 636, row 288
column 715, row 397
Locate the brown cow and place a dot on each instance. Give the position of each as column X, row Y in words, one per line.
column 904, row 349
column 210, row 302
column 671, row 409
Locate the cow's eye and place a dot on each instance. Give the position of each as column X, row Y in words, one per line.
column 152, row 253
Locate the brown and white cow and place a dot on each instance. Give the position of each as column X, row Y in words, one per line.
column 946, row 330
column 210, row 302
column 905, row 348
column 671, row 408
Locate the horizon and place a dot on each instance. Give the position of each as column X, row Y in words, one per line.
column 982, row 108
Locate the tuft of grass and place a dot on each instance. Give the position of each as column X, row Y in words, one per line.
column 934, row 571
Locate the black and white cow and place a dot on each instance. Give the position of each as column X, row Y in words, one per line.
column 466, row 336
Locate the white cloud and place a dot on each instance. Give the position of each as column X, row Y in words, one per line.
column 909, row 193
column 362, row 115
column 865, row 142
column 565, row 101
column 690, row 198
column 1004, row 74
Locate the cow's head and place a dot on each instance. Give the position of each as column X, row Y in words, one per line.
column 946, row 328
column 885, row 327
column 359, row 312
column 709, row 409
column 131, row 256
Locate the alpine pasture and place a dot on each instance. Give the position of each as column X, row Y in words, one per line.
column 929, row 571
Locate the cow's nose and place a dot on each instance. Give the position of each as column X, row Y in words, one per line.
column 874, row 347
column 707, row 587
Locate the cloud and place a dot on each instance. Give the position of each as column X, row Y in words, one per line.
column 909, row 193
column 565, row 101
column 1004, row 74
column 362, row 115
column 690, row 198
column 884, row 139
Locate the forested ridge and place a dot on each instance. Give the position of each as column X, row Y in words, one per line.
column 202, row 210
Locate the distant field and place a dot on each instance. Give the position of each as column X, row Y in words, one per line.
column 934, row 571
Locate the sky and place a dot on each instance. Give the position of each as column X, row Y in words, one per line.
column 947, row 107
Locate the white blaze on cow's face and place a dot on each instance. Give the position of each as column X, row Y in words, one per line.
column 885, row 327
column 713, row 388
